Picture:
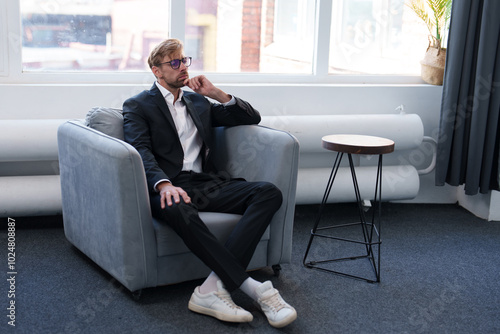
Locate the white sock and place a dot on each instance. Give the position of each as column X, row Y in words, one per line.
column 210, row 283
column 249, row 286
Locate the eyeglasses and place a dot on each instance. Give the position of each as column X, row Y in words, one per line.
column 176, row 63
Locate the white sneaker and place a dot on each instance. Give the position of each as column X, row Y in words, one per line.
column 278, row 312
column 218, row 304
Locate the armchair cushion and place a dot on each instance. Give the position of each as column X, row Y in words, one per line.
column 106, row 120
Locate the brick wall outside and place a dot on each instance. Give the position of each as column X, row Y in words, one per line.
column 251, row 29
column 269, row 32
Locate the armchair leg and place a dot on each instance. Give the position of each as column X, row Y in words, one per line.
column 276, row 270
column 136, row 295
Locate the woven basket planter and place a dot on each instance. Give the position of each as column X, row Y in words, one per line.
column 433, row 66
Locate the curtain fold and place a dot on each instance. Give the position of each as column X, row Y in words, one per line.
column 468, row 149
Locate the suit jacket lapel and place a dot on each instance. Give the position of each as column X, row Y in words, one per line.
column 194, row 116
column 201, row 130
column 162, row 104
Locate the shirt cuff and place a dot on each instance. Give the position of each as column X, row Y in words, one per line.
column 157, row 183
column 230, row 102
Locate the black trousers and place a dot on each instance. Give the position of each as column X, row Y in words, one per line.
column 256, row 201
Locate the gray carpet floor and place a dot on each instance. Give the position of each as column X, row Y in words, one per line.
column 440, row 274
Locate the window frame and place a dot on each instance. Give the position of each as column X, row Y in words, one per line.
column 4, row 56
column 11, row 62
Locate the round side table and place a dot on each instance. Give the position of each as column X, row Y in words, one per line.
column 370, row 230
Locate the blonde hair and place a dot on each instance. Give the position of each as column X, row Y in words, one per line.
column 165, row 48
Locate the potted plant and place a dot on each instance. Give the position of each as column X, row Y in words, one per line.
column 435, row 14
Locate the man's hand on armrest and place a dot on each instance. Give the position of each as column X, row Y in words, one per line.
column 168, row 191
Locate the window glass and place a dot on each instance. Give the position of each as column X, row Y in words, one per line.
column 381, row 37
column 91, row 35
column 376, row 37
column 264, row 36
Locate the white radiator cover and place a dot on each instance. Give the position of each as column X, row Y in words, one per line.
column 37, row 195
column 400, row 182
column 29, row 140
column 32, row 141
column 406, row 130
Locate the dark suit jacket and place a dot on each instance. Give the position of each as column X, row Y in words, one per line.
column 149, row 127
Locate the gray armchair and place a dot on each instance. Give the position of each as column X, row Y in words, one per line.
column 106, row 208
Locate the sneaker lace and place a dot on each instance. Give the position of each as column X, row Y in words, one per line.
column 226, row 298
column 275, row 302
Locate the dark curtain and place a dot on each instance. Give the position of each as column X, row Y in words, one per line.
column 469, row 125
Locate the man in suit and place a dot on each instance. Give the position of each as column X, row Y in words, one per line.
column 171, row 129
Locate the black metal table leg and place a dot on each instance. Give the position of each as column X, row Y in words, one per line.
column 369, row 229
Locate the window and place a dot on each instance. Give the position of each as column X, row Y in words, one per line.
column 375, row 37
column 91, row 35
column 265, row 36
column 3, row 41
column 366, row 37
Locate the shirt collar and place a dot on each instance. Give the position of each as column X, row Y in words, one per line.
column 167, row 94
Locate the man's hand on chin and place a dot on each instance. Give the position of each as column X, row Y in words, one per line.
column 201, row 85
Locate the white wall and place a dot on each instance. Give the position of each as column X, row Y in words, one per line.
column 21, row 101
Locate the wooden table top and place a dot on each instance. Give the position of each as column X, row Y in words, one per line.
column 357, row 144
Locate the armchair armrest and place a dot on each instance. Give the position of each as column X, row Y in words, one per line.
column 258, row 153
column 100, row 177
